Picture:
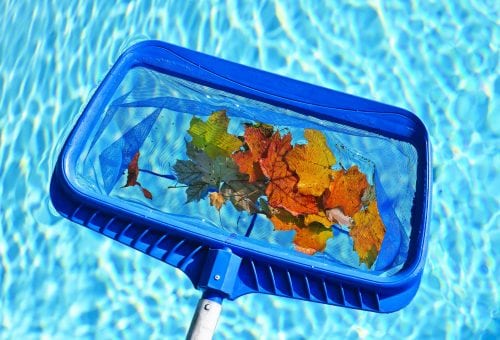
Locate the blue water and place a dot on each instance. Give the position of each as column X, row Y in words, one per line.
column 441, row 61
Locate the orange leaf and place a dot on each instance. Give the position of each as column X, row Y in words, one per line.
column 257, row 139
column 312, row 239
column 312, row 162
column 346, row 191
column 368, row 232
column 282, row 187
column 308, row 239
column 216, row 200
column 283, row 220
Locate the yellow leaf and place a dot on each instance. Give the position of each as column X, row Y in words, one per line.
column 320, row 218
column 312, row 162
column 216, row 200
column 367, row 232
column 212, row 137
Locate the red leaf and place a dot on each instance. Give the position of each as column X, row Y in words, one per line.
column 133, row 171
column 133, row 174
column 147, row 193
column 257, row 139
column 282, row 187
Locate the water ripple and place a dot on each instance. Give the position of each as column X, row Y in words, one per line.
column 439, row 60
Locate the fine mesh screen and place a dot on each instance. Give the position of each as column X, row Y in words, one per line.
column 235, row 165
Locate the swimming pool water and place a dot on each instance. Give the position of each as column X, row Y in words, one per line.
column 59, row 280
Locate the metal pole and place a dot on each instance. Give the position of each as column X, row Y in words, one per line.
column 205, row 319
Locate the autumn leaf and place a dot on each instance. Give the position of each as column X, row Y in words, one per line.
column 212, row 137
column 312, row 162
column 243, row 195
column 257, row 139
column 147, row 193
column 187, row 171
column 133, row 175
column 216, row 200
column 133, row 171
column 283, row 220
column 197, row 191
column 312, row 238
column 328, row 217
column 336, row 215
column 282, row 187
column 367, row 232
column 308, row 239
column 213, row 170
column 368, row 196
column 346, row 190
column 320, row 218
column 202, row 174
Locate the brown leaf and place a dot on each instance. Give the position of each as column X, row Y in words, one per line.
column 216, row 200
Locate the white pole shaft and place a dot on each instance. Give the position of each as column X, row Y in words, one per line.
column 204, row 320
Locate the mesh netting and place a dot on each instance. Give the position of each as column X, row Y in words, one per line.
column 235, row 165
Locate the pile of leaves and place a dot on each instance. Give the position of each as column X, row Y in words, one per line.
column 298, row 187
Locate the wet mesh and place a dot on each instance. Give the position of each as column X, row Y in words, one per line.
column 151, row 113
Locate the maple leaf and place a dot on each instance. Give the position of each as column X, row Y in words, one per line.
column 312, row 238
column 202, row 174
column 133, row 175
column 197, row 191
column 282, row 187
column 212, row 137
column 367, row 232
column 312, row 162
column 309, row 238
column 346, row 191
column 257, row 139
column 243, row 195
column 282, row 219
column 216, row 200
column 187, row 171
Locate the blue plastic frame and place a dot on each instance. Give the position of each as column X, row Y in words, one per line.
column 243, row 267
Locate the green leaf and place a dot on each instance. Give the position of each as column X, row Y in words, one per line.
column 187, row 171
column 196, row 191
column 201, row 173
column 212, row 137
